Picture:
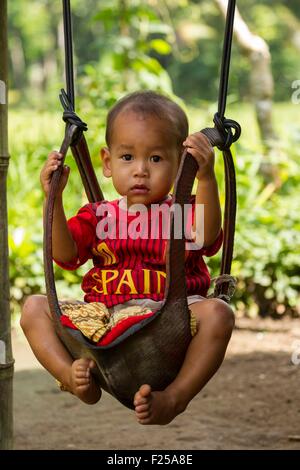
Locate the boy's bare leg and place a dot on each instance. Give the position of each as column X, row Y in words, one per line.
column 204, row 356
column 76, row 376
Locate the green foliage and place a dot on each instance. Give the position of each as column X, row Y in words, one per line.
column 143, row 39
column 267, row 241
column 128, row 38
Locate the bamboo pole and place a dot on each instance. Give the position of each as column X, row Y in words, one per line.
column 6, row 360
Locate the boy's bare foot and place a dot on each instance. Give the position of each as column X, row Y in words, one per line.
column 82, row 382
column 154, row 407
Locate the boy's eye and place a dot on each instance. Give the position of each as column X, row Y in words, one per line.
column 126, row 157
column 155, row 158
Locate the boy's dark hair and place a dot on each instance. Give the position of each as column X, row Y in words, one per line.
column 151, row 103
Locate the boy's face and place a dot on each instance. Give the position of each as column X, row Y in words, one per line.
column 142, row 159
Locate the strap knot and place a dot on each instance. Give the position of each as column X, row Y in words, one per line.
column 226, row 280
column 69, row 114
column 225, row 127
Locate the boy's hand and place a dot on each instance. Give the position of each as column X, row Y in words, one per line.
column 199, row 146
column 54, row 160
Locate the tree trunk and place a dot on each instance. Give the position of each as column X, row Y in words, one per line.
column 261, row 78
column 6, row 360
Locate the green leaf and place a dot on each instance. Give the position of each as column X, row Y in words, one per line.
column 161, row 46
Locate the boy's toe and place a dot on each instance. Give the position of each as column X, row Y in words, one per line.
column 142, row 408
column 92, row 364
column 82, row 381
column 144, row 420
column 145, row 391
column 142, row 396
column 81, row 374
column 142, row 416
column 140, row 401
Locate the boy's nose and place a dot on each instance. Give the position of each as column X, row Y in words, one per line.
column 141, row 169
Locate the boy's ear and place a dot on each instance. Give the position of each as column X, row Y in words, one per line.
column 106, row 162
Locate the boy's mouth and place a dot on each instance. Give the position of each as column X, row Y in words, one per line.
column 139, row 189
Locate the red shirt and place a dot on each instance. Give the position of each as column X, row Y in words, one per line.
column 126, row 268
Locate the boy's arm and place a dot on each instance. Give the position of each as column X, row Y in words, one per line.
column 207, row 191
column 208, row 195
column 63, row 246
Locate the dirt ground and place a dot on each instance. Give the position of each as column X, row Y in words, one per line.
column 253, row 402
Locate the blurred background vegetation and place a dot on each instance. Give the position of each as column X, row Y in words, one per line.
column 172, row 46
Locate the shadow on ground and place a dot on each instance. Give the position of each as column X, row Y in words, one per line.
column 252, row 403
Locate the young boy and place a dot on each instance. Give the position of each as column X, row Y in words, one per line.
column 145, row 136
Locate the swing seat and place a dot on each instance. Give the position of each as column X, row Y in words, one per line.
column 140, row 355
